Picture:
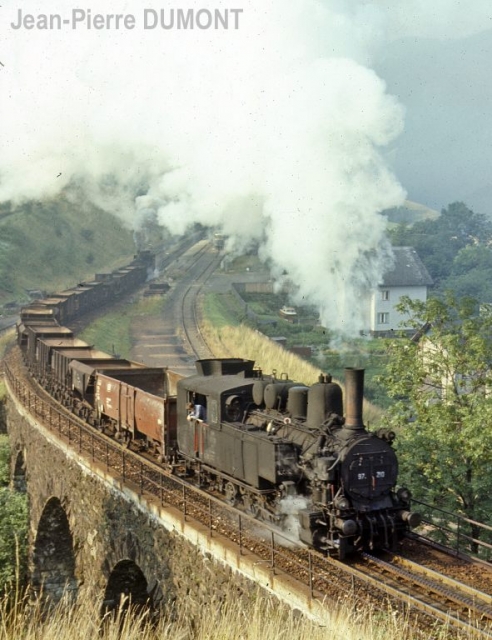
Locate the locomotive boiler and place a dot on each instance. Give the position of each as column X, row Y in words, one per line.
column 266, row 440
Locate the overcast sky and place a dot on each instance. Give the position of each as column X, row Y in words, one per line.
column 445, row 151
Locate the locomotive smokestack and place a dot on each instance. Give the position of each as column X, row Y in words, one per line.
column 354, row 396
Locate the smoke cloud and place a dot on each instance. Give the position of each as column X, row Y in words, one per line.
column 277, row 131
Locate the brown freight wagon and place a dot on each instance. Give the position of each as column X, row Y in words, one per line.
column 87, row 296
column 36, row 332
column 61, row 304
column 46, row 346
column 36, row 311
column 61, row 359
column 58, row 304
column 138, row 403
column 22, row 328
column 83, row 373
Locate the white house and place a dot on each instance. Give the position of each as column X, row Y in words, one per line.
column 408, row 277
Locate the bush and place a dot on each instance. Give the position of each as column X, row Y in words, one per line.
column 13, row 524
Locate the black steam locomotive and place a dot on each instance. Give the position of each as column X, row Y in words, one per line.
column 265, row 440
column 260, row 441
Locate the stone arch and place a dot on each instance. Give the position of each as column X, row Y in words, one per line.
column 53, row 561
column 127, row 586
column 19, row 482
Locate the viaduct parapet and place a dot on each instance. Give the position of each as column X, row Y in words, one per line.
column 92, row 532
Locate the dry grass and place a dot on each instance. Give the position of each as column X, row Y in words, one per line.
column 243, row 342
column 6, row 340
column 258, row 619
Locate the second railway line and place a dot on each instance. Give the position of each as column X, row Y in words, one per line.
column 173, row 339
column 310, row 568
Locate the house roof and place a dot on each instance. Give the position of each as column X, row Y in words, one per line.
column 408, row 270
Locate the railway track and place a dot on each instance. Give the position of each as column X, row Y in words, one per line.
column 189, row 309
column 174, row 339
column 398, row 584
column 442, row 597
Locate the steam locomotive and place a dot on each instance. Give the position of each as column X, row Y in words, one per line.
column 266, row 440
column 260, row 442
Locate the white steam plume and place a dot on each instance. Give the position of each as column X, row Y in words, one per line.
column 275, row 131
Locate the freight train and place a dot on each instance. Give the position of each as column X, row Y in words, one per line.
column 71, row 304
column 260, row 440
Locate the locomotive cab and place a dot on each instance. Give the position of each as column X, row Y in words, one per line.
column 225, row 449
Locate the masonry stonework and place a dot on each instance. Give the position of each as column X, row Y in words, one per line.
column 93, row 538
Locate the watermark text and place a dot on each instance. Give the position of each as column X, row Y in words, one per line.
column 147, row 19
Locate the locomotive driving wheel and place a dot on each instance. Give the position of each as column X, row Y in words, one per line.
column 230, row 493
column 253, row 508
column 250, row 503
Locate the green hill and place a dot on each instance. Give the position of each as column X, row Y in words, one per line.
column 409, row 213
column 51, row 245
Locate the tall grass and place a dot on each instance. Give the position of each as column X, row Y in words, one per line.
column 243, row 342
column 235, row 619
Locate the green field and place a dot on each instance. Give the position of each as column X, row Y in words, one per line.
column 111, row 332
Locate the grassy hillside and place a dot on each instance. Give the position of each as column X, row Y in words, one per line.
column 50, row 245
column 409, row 213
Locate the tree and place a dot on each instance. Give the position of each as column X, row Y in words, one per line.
column 439, row 241
column 13, row 537
column 442, row 387
column 471, row 273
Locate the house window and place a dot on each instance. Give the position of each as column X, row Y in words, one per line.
column 385, row 294
column 383, row 318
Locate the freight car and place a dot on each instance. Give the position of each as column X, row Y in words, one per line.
column 262, row 443
column 68, row 305
column 128, row 400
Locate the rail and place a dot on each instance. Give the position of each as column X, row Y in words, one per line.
column 324, row 577
column 146, row 477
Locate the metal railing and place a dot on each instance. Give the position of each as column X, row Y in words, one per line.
column 146, row 478
column 464, row 535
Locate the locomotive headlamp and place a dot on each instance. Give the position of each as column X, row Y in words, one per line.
column 404, row 494
column 341, row 503
column 386, row 434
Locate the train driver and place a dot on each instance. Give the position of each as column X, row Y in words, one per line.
column 196, row 411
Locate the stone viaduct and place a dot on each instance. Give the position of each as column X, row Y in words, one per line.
column 91, row 532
